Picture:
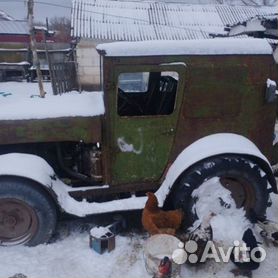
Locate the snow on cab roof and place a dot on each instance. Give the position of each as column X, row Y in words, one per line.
column 218, row 46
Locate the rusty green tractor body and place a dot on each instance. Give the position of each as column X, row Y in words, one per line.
column 156, row 107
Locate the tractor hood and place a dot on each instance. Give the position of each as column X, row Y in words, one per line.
column 69, row 117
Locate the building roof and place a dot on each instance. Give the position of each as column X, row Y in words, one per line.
column 225, row 2
column 5, row 16
column 217, row 46
column 259, row 26
column 15, row 27
column 133, row 21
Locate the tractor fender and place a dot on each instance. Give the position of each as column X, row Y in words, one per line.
column 35, row 168
column 27, row 166
column 209, row 146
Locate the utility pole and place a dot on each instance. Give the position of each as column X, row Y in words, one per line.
column 48, row 58
column 36, row 61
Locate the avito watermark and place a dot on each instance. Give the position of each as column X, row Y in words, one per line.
column 241, row 253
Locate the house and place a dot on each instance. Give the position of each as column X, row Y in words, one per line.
column 15, row 39
column 14, row 33
column 15, row 43
column 15, row 52
column 98, row 21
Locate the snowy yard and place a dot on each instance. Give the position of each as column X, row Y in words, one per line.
column 70, row 256
column 23, row 89
column 72, row 164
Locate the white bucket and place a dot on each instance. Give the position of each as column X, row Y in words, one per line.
column 156, row 248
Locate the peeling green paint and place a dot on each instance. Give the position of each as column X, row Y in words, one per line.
column 51, row 130
column 153, row 134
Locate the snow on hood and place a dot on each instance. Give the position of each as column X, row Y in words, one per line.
column 72, row 104
column 187, row 47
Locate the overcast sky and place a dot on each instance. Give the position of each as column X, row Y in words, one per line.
column 18, row 10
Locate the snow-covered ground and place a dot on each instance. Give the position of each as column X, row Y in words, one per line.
column 23, row 89
column 70, row 256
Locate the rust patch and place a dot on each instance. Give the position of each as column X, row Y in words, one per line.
column 18, row 222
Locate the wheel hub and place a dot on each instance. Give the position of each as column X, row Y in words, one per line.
column 241, row 191
column 9, row 221
column 18, row 222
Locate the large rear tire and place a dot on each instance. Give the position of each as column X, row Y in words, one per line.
column 27, row 213
column 244, row 178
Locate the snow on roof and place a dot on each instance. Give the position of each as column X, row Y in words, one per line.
column 233, row 14
column 39, row 50
column 219, row 46
column 133, row 21
column 264, row 24
column 13, row 49
column 43, row 28
column 5, row 16
column 14, row 27
column 23, row 63
column 225, row 2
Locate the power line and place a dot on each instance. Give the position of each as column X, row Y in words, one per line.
column 111, row 15
column 36, row 2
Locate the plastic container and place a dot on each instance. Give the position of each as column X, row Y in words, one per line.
column 156, row 248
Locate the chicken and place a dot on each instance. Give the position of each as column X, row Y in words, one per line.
column 164, row 268
column 269, row 231
column 243, row 260
column 204, row 230
column 157, row 221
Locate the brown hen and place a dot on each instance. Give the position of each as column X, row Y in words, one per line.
column 157, row 221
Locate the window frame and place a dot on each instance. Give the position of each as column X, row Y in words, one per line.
column 141, row 92
column 179, row 67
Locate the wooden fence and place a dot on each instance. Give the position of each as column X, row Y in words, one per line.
column 63, row 77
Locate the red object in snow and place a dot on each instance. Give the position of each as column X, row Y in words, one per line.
column 164, row 268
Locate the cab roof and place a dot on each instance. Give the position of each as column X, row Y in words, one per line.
column 217, row 46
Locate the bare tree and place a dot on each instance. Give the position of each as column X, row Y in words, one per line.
column 62, row 26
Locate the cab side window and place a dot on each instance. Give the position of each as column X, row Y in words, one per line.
column 147, row 93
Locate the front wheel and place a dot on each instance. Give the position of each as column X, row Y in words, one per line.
column 27, row 214
column 242, row 177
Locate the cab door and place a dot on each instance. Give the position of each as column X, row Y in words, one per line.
column 145, row 104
